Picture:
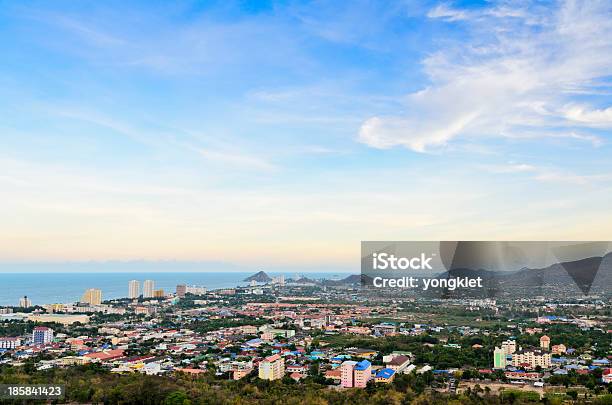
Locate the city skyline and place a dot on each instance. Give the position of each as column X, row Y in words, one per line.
column 279, row 135
column 306, row 201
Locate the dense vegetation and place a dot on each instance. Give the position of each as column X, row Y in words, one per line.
column 93, row 384
column 595, row 341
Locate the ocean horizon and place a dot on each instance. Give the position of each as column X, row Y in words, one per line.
column 65, row 287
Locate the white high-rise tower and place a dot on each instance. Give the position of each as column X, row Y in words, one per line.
column 134, row 289
column 25, row 302
column 147, row 288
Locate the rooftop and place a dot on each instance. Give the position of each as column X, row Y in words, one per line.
column 399, row 360
column 272, row 358
column 385, row 373
column 362, row 365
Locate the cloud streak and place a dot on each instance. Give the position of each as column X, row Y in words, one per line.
column 517, row 72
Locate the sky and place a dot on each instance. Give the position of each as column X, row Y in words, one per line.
column 278, row 135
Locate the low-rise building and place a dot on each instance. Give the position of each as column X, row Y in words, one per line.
column 59, row 318
column 558, row 349
column 521, row 375
column 9, row 342
column 398, row 363
column 606, row 376
column 385, row 375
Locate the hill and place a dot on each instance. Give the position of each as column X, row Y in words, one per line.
column 260, row 277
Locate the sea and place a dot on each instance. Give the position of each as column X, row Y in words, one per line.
column 48, row 288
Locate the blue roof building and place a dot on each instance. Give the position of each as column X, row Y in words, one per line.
column 362, row 365
column 385, row 374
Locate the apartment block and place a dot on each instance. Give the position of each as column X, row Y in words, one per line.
column 531, row 359
column 355, row 374
column 272, row 368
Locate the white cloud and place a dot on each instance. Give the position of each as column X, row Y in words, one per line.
column 447, row 13
column 385, row 133
column 514, row 73
column 584, row 115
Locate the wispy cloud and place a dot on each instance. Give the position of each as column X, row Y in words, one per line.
column 510, row 167
column 565, row 177
column 448, row 13
column 530, row 133
column 516, row 72
column 232, row 159
column 125, row 36
column 548, row 174
column 229, row 155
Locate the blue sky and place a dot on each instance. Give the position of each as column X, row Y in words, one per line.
column 280, row 134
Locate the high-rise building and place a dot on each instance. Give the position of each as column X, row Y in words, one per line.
column 92, row 296
column 499, row 358
column 272, row 368
column 363, row 373
column 25, row 302
column 346, row 373
column 509, row 346
column 355, row 374
column 148, row 288
column 42, row 335
column 134, row 289
column 181, row 290
column 159, row 293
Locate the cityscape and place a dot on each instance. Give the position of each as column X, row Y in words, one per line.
column 306, row 202
column 314, row 337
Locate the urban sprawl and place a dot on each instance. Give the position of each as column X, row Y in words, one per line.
column 321, row 338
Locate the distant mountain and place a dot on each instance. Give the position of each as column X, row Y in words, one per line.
column 305, row 280
column 350, row 280
column 260, row 277
column 592, row 273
